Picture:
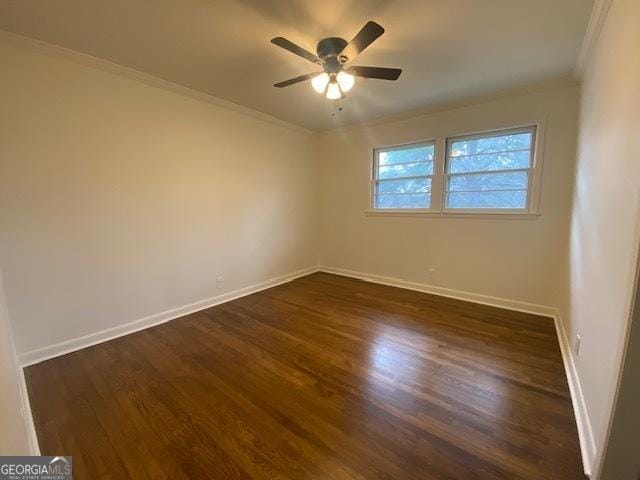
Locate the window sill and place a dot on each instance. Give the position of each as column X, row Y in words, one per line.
column 475, row 215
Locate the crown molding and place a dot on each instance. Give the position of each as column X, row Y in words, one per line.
column 39, row 46
column 563, row 81
column 90, row 61
column 594, row 28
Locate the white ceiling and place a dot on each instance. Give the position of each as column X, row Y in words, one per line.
column 448, row 49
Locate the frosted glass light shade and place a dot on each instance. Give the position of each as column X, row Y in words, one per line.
column 319, row 82
column 345, row 81
column 333, row 91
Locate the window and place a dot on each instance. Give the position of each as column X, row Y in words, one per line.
column 402, row 176
column 490, row 171
column 495, row 174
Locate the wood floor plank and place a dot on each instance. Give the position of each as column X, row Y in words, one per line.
column 322, row 377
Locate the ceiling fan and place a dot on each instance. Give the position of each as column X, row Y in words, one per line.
column 332, row 55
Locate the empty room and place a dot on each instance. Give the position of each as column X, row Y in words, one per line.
column 295, row 239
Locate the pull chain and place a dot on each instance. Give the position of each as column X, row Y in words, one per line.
column 339, row 109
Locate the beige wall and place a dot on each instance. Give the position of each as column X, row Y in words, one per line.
column 119, row 200
column 605, row 224
column 13, row 432
column 512, row 259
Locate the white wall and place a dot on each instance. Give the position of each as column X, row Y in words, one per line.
column 512, row 259
column 14, row 439
column 119, row 200
column 605, row 223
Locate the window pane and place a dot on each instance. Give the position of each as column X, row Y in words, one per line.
column 500, row 143
column 490, row 161
column 488, row 181
column 405, row 170
column 414, row 185
column 403, row 200
column 494, row 200
column 403, row 177
column 472, row 164
column 407, row 155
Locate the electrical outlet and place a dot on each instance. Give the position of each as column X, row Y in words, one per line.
column 576, row 346
column 220, row 282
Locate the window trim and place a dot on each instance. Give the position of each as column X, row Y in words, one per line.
column 496, row 133
column 437, row 203
column 374, row 169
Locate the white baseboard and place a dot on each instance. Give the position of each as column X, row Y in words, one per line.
column 38, row 355
column 583, row 422
column 34, row 447
column 445, row 292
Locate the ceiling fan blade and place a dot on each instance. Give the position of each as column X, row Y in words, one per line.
column 293, row 48
column 375, row 72
column 365, row 37
column 295, row 80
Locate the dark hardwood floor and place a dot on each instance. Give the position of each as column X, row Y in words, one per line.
column 324, row 377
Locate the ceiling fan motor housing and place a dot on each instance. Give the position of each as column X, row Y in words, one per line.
column 329, row 51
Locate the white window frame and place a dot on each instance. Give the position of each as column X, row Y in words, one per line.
column 530, row 170
column 439, row 177
column 373, row 180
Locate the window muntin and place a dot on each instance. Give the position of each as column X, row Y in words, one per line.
column 402, row 176
column 491, row 171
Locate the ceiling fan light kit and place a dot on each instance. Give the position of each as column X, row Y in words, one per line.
column 320, row 82
column 333, row 84
column 333, row 91
column 345, row 80
column 332, row 55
